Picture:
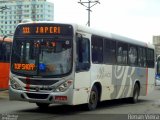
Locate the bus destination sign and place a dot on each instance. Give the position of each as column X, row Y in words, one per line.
column 44, row 29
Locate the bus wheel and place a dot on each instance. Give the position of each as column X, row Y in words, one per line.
column 135, row 93
column 42, row 105
column 93, row 99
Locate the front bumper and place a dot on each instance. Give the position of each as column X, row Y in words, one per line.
column 42, row 97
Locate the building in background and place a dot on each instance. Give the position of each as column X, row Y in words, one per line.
column 156, row 42
column 20, row 10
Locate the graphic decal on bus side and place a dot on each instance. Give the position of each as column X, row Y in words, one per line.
column 125, row 77
column 103, row 74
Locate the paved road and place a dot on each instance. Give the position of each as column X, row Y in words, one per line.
column 114, row 110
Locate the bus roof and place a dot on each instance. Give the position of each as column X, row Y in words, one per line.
column 113, row 36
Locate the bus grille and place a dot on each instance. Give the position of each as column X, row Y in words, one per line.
column 37, row 96
column 39, row 89
column 39, row 82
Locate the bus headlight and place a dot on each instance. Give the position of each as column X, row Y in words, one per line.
column 14, row 84
column 64, row 86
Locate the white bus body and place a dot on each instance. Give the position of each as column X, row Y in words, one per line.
column 98, row 81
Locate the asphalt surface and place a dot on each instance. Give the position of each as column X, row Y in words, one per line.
column 148, row 108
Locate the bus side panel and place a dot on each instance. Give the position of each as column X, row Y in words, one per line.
column 125, row 80
column 81, row 87
column 4, row 75
column 82, row 81
column 151, row 80
column 103, row 74
column 146, row 82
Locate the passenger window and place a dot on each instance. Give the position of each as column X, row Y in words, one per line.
column 142, row 57
column 5, row 50
column 122, row 49
column 150, row 58
column 132, row 54
column 97, row 49
column 109, row 51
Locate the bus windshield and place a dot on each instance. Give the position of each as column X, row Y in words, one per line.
column 42, row 56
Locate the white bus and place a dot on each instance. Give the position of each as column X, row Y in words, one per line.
column 70, row 64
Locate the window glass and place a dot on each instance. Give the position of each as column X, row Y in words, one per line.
column 132, row 54
column 142, row 57
column 83, row 54
column 122, row 53
column 150, row 58
column 44, row 57
column 97, row 49
column 5, row 50
column 109, row 51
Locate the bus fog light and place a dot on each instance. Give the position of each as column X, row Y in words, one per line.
column 64, row 86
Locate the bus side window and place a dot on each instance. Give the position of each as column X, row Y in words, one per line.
column 8, row 51
column 122, row 51
column 132, row 54
column 97, row 49
column 109, row 51
column 3, row 51
column 150, row 58
column 142, row 57
column 83, row 54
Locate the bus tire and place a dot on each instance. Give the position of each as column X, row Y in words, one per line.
column 136, row 91
column 42, row 105
column 93, row 99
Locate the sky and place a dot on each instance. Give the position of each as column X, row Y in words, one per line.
column 137, row 19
